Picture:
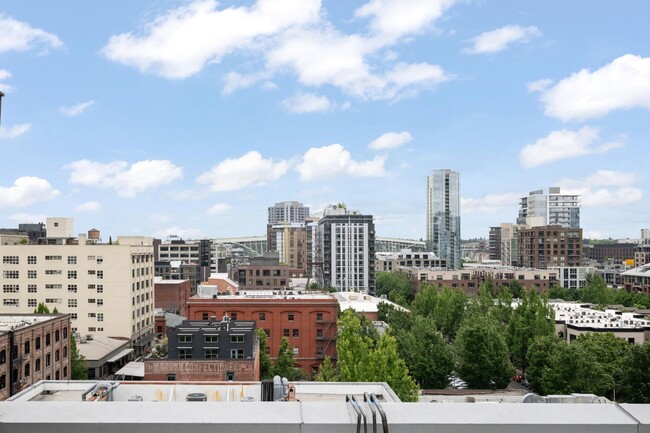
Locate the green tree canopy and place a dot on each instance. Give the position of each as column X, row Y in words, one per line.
column 396, row 286
column 540, row 351
column 78, row 369
column 284, row 363
column 633, row 379
column 595, row 291
column 327, row 372
column 266, row 367
column 42, row 309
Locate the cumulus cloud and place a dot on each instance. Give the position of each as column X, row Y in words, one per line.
column 604, row 188
column 564, row 144
column 307, row 103
column 4, row 74
column 89, row 206
column 76, row 109
column 14, row 131
column 20, row 36
column 490, row 202
column 218, row 209
column 622, row 84
column 390, row 140
column 126, row 180
column 181, row 42
column 393, row 19
column 334, row 160
column 287, row 36
column 27, row 190
column 27, row 218
column 249, row 170
column 499, row 39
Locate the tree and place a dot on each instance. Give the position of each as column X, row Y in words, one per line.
column 633, row 378
column 483, row 357
column 396, row 319
column 516, row 289
column 368, row 330
column 284, row 364
column 55, row 311
column 595, row 291
column 352, row 347
column 41, row 309
column 327, row 371
column 446, row 307
column 385, row 365
column 396, row 286
column 161, row 350
column 428, row 357
column 559, row 292
column 503, row 306
column 540, row 349
column 532, row 318
column 266, row 367
column 78, row 369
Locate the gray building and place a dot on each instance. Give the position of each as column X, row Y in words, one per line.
column 345, row 250
column 288, row 212
column 443, row 216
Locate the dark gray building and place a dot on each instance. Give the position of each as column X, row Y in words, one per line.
column 212, row 339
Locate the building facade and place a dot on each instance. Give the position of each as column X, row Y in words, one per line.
column 345, row 254
column 387, row 262
column 307, row 320
column 554, row 208
column 263, row 273
column 172, row 295
column 33, row 347
column 288, row 212
column 443, row 216
column 293, row 243
column 549, row 246
column 618, row 252
column 106, row 289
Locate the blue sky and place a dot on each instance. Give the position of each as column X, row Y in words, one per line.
column 191, row 118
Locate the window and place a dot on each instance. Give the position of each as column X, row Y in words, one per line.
column 262, row 316
column 185, row 353
column 52, row 257
column 32, row 274
column 91, row 287
column 10, row 288
column 211, row 338
column 10, row 260
column 53, row 272
column 267, row 331
column 48, row 360
column 233, row 316
column 31, row 260
column 100, row 317
column 296, row 333
column 32, row 303
column 230, row 375
column 65, row 351
column 72, row 275
column 37, row 365
column 100, row 302
column 91, row 329
column 236, row 353
column 91, row 272
column 72, row 288
column 53, row 286
column 319, row 317
column 65, row 372
column 3, row 381
column 100, row 288
column 13, row 275
column 65, row 333
column 183, row 338
column 285, row 332
column 211, row 353
column 57, row 356
column 100, row 260
column 27, row 347
column 237, row 338
column 10, row 303
column 295, row 351
column 91, row 301
column 72, row 303
column 53, row 300
column 37, row 343
column 204, row 316
column 48, row 339
column 290, row 317
column 31, row 288
column 171, row 377
column 100, row 274
column 73, row 316
column 72, row 260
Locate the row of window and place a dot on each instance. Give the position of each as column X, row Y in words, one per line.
column 27, row 373
column 210, row 338
column 211, row 353
column 32, row 260
column 262, row 316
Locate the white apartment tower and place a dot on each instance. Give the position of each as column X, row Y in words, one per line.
column 288, row 212
column 554, row 208
column 107, row 289
column 443, row 216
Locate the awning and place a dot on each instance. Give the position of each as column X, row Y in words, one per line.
column 133, row 369
column 121, row 354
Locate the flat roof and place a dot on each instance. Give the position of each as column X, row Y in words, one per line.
column 13, row 322
column 270, row 295
column 100, row 347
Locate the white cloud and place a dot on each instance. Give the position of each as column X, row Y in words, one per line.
column 564, row 144
column 4, row 87
column 4, row 74
column 490, row 202
column 621, row 84
column 499, row 39
column 218, row 209
column 307, row 103
column 181, row 42
column 27, row 190
column 161, row 217
column 26, row 218
column 249, row 170
column 395, row 18
column 539, row 85
column 126, row 181
column 89, row 206
column 76, row 109
column 604, row 188
column 183, row 233
column 14, row 131
column 390, row 140
column 334, row 160
column 19, row 36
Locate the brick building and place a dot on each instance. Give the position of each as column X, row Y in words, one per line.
column 618, row 252
column 307, row 320
column 33, row 347
column 209, row 350
column 172, row 294
column 549, row 246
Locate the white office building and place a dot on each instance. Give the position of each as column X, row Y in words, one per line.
column 539, row 209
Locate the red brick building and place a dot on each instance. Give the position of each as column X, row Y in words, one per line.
column 548, row 246
column 172, row 295
column 33, row 347
column 308, row 321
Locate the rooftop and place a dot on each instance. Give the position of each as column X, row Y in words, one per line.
column 267, row 294
column 13, row 322
column 362, row 303
column 582, row 315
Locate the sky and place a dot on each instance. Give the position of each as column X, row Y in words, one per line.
column 191, row 118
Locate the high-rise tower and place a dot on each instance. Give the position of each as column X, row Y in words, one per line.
column 443, row 215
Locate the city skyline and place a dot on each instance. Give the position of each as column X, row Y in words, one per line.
column 192, row 118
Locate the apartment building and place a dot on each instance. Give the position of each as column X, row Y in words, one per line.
column 106, row 289
column 549, row 246
column 387, row 262
column 554, row 208
column 293, row 243
column 307, row 320
column 443, row 216
column 176, row 252
column 288, row 212
column 263, row 273
column 33, row 347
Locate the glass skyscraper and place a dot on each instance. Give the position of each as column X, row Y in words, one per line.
column 443, row 215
